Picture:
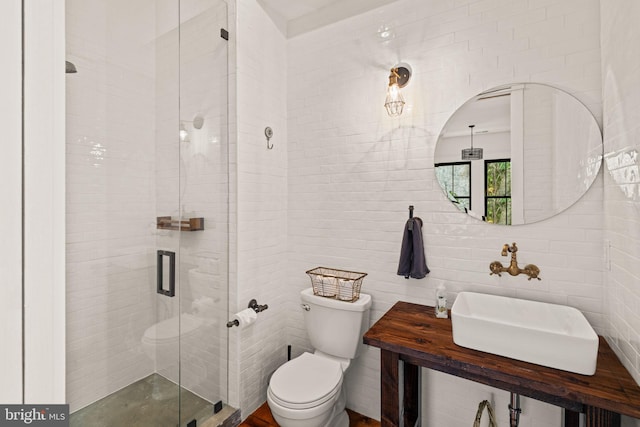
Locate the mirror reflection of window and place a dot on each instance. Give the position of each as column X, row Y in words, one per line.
column 498, row 191
column 552, row 141
column 455, row 180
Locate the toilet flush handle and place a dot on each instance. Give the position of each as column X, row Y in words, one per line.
column 306, row 307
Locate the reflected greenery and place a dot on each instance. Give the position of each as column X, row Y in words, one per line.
column 455, row 179
column 498, row 191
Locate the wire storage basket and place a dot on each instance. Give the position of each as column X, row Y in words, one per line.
column 337, row 284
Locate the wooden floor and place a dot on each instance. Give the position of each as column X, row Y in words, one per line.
column 262, row 418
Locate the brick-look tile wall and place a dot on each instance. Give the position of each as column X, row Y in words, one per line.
column 621, row 106
column 261, row 194
column 353, row 171
column 109, row 250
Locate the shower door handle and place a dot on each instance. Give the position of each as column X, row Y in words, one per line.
column 172, row 273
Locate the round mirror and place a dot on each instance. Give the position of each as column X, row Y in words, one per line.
column 518, row 154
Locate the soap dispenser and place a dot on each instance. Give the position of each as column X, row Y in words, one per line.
column 441, row 302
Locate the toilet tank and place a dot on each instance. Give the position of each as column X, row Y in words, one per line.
column 336, row 327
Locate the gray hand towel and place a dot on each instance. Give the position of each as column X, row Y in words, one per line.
column 412, row 260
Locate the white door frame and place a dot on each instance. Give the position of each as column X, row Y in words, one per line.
column 11, row 202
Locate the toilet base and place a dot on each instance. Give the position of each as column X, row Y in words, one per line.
column 340, row 420
column 335, row 416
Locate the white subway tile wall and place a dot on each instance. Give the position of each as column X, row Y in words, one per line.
column 109, row 249
column 621, row 104
column 353, row 171
column 260, row 78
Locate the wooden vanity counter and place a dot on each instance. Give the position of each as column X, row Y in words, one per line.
column 411, row 334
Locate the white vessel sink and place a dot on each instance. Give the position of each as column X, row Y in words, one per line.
column 550, row 335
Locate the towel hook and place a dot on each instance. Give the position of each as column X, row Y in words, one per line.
column 268, row 132
column 410, row 217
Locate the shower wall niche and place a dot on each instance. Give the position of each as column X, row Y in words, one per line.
column 146, row 137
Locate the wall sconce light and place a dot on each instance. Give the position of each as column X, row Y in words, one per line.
column 399, row 77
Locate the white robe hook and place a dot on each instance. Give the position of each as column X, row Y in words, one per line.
column 268, row 132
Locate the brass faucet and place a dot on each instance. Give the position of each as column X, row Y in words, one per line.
column 496, row 267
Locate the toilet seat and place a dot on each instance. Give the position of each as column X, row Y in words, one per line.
column 306, row 382
column 170, row 329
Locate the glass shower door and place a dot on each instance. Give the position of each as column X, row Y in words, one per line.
column 146, row 150
column 204, row 183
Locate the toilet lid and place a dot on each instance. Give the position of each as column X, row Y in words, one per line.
column 169, row 329
column 306, row 381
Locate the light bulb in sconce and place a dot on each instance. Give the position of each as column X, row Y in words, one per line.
column 398, row 78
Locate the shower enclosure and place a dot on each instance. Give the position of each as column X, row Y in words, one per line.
column 147, row 211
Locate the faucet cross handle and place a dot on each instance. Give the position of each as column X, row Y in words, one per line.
column 532, row 271
column 496, row 267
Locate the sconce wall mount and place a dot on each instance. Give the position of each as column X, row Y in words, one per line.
column 404, row 74
column 398, row 78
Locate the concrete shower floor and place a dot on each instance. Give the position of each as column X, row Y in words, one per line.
column 150, row 402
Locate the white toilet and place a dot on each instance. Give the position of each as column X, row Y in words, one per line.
column 308, row 390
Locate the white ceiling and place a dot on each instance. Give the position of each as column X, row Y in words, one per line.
column 295, row 17
column 489, row 115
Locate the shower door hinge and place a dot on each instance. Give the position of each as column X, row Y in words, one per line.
column 224, row 34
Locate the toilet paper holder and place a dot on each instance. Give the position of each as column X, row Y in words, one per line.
column 253, row 304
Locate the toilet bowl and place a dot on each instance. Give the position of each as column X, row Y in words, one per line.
column 319, row 400
column 308, row 391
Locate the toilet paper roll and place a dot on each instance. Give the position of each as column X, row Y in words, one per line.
column 345, row 289
column 328, row 287
column 245, row 317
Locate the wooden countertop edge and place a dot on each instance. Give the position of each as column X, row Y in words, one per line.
column 611, row 388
